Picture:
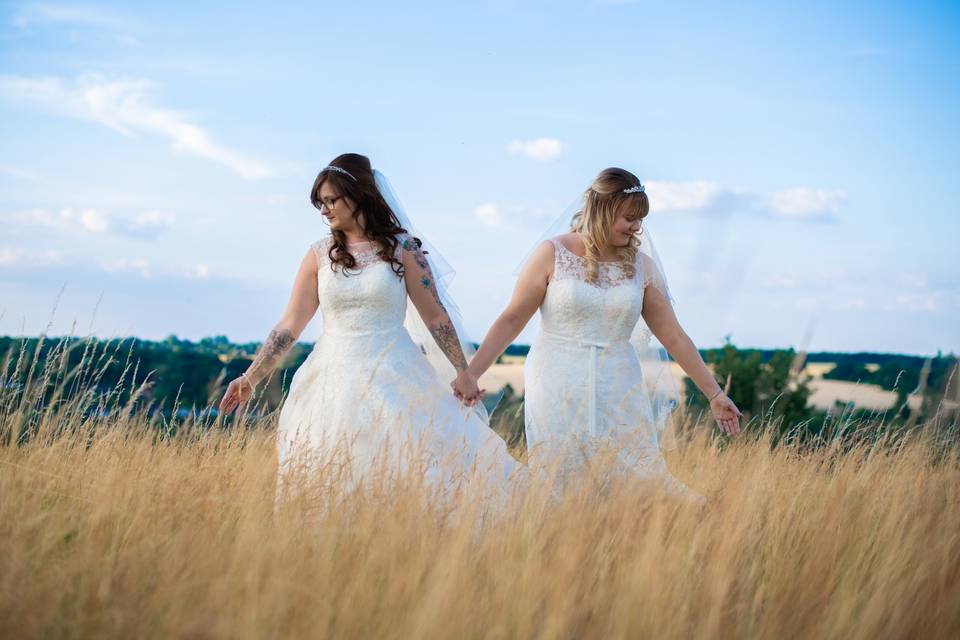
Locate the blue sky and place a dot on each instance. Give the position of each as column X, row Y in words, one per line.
column 801, row 160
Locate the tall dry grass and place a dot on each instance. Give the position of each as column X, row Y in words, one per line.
column 111, row 527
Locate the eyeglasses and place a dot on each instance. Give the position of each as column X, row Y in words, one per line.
column 329, row 203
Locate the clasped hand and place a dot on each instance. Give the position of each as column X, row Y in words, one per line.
column 466, row 388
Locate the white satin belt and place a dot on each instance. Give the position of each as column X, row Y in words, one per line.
column 593, row 347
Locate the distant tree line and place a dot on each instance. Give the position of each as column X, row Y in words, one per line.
column 192, row 375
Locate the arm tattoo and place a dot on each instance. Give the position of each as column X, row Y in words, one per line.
column 443, row 331
column 446, row 338
column 426, row 280
column 276, row 345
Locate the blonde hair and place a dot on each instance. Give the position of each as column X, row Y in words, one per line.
column 594, row 223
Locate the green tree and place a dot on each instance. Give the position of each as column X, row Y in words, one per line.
column 768, row 389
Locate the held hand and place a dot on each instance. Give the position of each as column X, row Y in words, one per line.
column 238, row 391
column 726, row 414
column 465, row 388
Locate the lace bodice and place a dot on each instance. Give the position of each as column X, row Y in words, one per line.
column 602, row 312
column 569, row 265
column 368, row 298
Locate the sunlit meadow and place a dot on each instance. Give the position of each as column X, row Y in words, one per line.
column 116, row 524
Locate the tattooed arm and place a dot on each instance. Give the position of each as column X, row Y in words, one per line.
column 422, row 289
column 303, row 304
column 274, row 348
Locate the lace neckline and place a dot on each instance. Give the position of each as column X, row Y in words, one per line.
column 583, row 258
column 364, row 253
column 570, row 266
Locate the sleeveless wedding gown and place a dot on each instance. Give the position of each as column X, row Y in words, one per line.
column 583, row 380
column 366, row 395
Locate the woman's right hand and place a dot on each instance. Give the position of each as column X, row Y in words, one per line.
column 238, row 391
column 466, row 389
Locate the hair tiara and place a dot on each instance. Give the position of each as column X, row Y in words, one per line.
column 331, row 167
column 634, row 189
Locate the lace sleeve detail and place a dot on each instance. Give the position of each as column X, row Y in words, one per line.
column 652, row 275
column 321, row 251
column 566, row 265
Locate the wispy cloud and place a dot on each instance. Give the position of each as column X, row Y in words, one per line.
column 805, row 202
column 704, row 196
column 10, row 257
column 540, row 149
column 18, row 173
column 146, row 225
column 489, row 214
column 147, row 270
column 44, row 261
column 509, row 216
column 125, row 106
column 687, row 196
column 37, row 14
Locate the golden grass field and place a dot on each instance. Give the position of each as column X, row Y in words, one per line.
column 125, row 536
column 109, row 529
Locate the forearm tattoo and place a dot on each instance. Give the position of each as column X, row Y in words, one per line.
column 446, row 337
column 276, row 345
column 443, row 331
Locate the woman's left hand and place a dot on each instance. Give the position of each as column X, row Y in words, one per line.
column 726, row 414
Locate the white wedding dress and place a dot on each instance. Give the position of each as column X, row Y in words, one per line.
column 583, row 380
column 367, row 397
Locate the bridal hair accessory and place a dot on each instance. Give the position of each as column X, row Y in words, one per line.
column 635, row 189
column 330, row 167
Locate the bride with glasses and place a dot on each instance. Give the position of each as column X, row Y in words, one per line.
column 374, row 389
column 591, row 381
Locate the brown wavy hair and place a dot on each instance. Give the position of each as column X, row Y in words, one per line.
column 594, row 223
column 380, row 222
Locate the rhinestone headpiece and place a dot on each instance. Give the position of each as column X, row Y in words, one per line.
column 330, row 167
column 635, row 189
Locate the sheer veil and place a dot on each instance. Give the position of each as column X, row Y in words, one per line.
column 661, row 387
column 442, row 274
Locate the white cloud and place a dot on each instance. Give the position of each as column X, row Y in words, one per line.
column 146, row 270
column 91, row 220
column 927, row 302
column 489, row 214
column 682, row 196
column 88, row 16
column 781, row 281
column 852, row 304
column 125, row 106
column 541, row 149
column 150, row 221
column 805, row 202
column 17, row 172
column 705, row 196
column 140, row 266
column 146, row 225
column 76, row 17
column 18, row 257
